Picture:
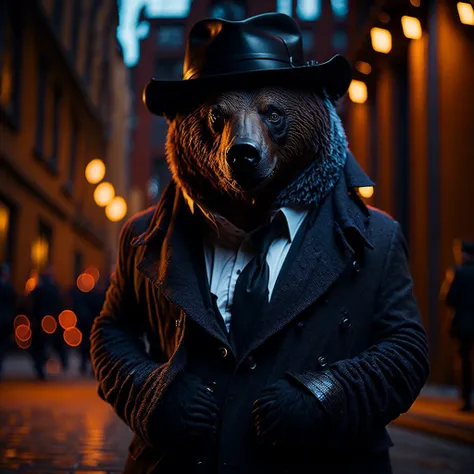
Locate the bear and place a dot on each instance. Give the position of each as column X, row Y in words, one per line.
column 289, row 127
column 283, row 333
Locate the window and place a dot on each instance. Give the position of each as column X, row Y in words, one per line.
column 339, row 40
column 78, row 263
column 285, row 6
column 169, row 69
column 340, row 8
column 75, row 28
column 308, row 10
column 6, row 232
column 56, row 125
column 73, row 154
column 40, row 106
column 229, row 10
column 170, row 37
column 41, row 248
column 10, row 61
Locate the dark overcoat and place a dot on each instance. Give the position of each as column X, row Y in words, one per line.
column 344, row 306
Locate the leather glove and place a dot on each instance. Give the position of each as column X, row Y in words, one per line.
column 186, row 413
column 287, row 415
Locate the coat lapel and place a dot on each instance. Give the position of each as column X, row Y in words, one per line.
column 332, row 243
column 176, row 267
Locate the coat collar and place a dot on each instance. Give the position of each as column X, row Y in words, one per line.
column 175, row 263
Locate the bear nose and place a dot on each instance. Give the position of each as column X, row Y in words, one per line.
column 243, row 155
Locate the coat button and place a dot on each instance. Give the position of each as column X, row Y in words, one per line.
column 223, row 352
column 212, row 387
column 345, row 324
column 252, row 365
column 322, row 361
column 300, row 325
column 356, row 266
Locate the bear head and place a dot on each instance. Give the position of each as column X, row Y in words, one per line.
column 244, row 152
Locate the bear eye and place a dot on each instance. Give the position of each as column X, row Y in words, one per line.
column 274, row 117
column 216, row 119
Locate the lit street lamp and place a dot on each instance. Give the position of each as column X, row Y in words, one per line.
column 104, row 193
column 95, row 171
column 117, row 209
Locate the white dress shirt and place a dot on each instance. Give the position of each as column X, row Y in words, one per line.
column 228, row 249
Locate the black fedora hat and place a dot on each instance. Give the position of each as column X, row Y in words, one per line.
column 262, row 50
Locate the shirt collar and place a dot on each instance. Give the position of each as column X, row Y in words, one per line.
column 293, row 218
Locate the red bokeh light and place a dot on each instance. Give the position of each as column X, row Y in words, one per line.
column 67, row 319
column 93, row 272
column 23, row 333
column 85, row 282
column 73, row 336
column 49, row 324
column 23, row 344
column 21, row 319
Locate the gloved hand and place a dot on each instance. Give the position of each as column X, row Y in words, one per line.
column 186, row 413
column 286, row 415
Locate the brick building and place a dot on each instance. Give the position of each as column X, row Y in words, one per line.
column 413, row 135
column 161, row 52
column 64, row 101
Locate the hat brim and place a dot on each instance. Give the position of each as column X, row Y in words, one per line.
column 333, row 76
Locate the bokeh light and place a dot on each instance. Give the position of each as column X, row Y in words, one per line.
column 85, row 282
column 95, row 171
column 466, row 13
column 39, row 252
column 116, row 209
column 49, row 324
column 104, row 193
column 358, row 92
column 30, row 285
column 23, row 332
column 67, row 319
column 94, row 272
column 363, row 67
column 366, row 191
column 381, row 40
column 411, row 27
column 72, row 337
column 21, row 319
column 23, row 344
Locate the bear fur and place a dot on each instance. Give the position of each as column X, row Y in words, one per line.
column 308, row 149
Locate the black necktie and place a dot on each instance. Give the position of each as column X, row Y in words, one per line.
column 251, row 288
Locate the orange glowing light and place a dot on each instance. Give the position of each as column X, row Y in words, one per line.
column 53, row 367
column 23, row 332
column 466, row 13
column 104, row 193
column 366, row 191
column 67, row 319
column 381, row 40
column 73, row 337
column 23, row 344
column 85, row 282
column 30, row 285
column 95, row 171
column 49, row 324
column 363, row 67
column 21, row 319
column 93, row 271
column 358, row 91
column 411, row 27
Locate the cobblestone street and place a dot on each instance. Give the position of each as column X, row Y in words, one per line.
column 62, row 426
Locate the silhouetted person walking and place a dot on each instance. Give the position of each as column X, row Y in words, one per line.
column 460, row 297
column 7, row 311
column 46, row 300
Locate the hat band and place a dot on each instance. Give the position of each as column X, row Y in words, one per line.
column 244, row 64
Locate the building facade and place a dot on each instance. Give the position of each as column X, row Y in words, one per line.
column 413, row 135
column 64, row 100
column 161, row 52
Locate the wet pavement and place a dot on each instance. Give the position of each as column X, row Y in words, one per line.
column 61, row 426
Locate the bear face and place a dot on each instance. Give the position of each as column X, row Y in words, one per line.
column 243, row 148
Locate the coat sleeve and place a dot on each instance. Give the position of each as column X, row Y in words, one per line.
column 367, row 392
column 126, row 374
